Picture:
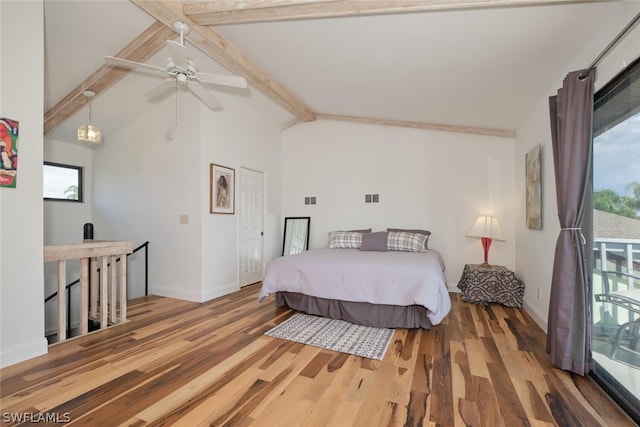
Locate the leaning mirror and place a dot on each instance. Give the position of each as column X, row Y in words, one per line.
column 296, row 235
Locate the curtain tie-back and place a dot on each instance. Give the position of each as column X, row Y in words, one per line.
column 584, row 241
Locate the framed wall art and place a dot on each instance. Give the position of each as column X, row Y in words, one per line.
column 533, row 181
column 222, row 186
column 8, row 152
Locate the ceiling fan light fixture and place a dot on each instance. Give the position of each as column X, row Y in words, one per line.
column 183, row 72
column 89, row 134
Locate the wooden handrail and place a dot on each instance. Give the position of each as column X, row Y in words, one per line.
column 88, row 251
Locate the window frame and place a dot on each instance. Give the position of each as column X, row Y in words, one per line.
column 80, row 182
column 607, row 381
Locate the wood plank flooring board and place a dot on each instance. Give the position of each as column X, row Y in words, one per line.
column 477, row 358
column 332, row 396
column 284, row 395
column 219, row 387
column 382, row 389
column 493, row 321
column 280, row 396
column 297, row 355
column 532, row 401
column 236, row 403
column 511, row 408
column 441, row 381
column 461, row 380
column 417, row 409
column 184, row 363
column 487, row 403
column 282, row 347
column 468, row 323
column 468, row 413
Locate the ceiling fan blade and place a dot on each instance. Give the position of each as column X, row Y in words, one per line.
column 131, row 64
column 221, row 79
column 178, row 54
column 205, row 96
column 161, row 88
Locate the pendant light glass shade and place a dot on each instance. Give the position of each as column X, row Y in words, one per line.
column 89, row 134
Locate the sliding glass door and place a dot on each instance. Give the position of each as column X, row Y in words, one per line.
column 616, row 238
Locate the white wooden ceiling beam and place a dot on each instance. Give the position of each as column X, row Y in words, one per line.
column 219, row 49
column 503, row 133
column 227, row 5
column 234, row 12
column 140, row 49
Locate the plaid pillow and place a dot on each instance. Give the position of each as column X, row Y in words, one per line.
column 415, row 230
column 344, row 240
column 406, row 242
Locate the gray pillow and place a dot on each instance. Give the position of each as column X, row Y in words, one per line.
column 364, row 230
column 374, row 241
column 406, row 230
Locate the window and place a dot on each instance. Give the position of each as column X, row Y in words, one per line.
column 616, row 236
column 62, row 182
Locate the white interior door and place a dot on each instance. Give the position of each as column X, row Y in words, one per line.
column 251, row 213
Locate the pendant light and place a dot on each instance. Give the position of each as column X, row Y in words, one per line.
column 89, row 134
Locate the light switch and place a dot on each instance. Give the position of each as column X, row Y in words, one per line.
column 184, row 219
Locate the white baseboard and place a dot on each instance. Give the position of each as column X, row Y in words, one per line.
column 538, row 317
column 22, row 352
column 54, row 330
column 225, row 290
column 194, row 296
column 176, row 293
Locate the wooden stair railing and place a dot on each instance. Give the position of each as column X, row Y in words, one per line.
column 108, row 289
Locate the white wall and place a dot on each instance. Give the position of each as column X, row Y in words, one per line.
column 237, row 137
column 144, row 179
column 21, row 217
column 63, row 224
column 64, row 220
column 426, row 179
column 151, row 172
column 535, row 249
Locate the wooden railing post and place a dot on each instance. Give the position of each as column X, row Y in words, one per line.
column 114, row 289
column 123, row 289
column 104, row 293
column 84, row 296
column 93, row 266
column 62, row 300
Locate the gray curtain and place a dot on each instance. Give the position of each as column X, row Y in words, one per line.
column 569, row 324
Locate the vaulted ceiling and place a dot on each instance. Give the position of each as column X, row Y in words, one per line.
column 459, row 65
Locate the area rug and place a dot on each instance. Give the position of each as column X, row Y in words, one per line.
column 336, row 335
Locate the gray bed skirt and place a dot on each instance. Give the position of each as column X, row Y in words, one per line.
column 361, row 313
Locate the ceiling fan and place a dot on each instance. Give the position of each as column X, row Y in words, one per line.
column 182, row 71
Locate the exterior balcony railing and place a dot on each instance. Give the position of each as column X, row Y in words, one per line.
column 616, row 291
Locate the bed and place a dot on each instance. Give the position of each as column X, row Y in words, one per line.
column 381, row 288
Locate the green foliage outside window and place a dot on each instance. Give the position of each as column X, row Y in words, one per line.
column 610, row 201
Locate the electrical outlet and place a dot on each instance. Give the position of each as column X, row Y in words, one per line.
column 539, row 293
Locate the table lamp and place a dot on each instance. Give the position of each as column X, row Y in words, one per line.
column 487, row 228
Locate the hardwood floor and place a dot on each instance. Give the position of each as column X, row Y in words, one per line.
column 183, row 363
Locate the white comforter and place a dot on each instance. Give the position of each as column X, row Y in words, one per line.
column 394, row 278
